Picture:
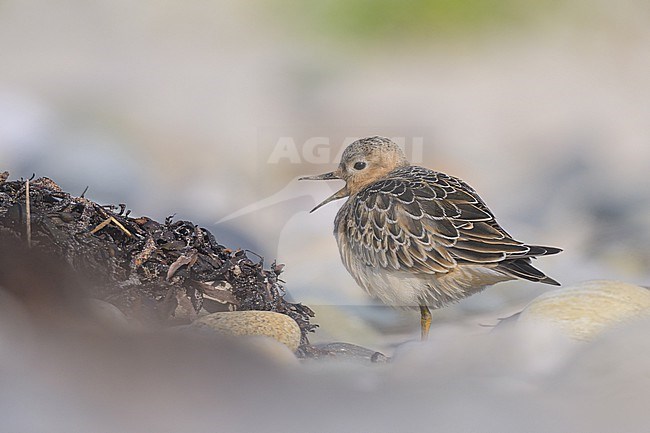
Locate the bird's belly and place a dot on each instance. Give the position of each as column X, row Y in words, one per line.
column 407, row 289
column 398, row 289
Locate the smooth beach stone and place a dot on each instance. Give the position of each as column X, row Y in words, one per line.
column 267, row 323
column 585, row 310
column 272, row 349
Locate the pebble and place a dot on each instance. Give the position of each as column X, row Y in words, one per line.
column 585, row 310
column 265, row 323
column 346, row 352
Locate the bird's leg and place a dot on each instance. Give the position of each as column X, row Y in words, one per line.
column 425, row 321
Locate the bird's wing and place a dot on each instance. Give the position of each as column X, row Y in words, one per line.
column 425, row 221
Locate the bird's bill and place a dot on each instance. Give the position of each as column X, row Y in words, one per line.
column 326, row 176
column 342, row 193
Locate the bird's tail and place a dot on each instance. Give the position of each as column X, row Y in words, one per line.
column 521, row 267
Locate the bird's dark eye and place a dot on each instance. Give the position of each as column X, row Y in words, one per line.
column 359, row 165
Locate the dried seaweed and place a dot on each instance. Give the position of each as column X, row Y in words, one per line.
column 156, row 271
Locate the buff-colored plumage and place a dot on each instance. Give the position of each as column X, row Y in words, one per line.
column 411, row 236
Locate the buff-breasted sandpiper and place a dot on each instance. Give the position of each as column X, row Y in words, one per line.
column 414, row 237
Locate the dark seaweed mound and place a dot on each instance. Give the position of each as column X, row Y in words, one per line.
column 161, row 272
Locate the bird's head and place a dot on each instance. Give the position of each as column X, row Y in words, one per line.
column 362, row 163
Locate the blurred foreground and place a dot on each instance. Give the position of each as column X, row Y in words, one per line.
column 532, row 379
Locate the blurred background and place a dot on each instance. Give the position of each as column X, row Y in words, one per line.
column 211, row 110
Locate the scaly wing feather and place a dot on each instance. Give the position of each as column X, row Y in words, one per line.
column 420, row 220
